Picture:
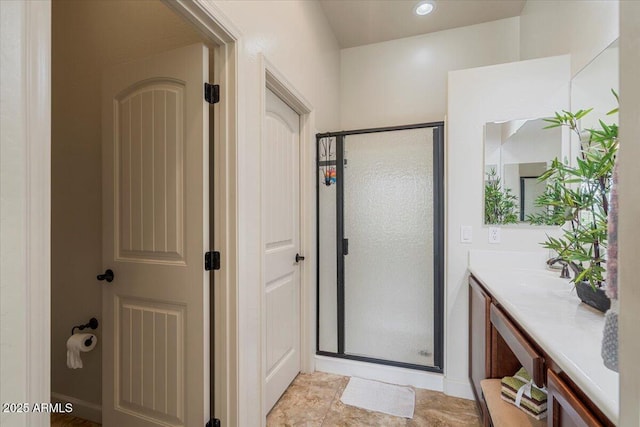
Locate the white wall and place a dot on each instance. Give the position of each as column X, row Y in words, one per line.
column 534, row 88
column 405, row 81
column 296, row 38
column 629, row 232
column 580, row 28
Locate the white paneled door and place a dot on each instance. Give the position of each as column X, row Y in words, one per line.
column 155, row 338
column 281, row 210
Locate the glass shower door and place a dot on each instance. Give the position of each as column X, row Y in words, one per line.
column 388, row 200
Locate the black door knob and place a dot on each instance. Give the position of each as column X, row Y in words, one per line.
column 108, row 276
column 299, row 258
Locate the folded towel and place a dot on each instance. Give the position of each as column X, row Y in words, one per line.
column 537, row 415
column 520, row 391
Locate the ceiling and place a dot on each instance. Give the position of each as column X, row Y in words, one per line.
column 360, row 22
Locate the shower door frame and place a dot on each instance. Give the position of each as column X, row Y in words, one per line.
column 438, row 245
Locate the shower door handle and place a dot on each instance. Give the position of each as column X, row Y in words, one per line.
column 299, row 258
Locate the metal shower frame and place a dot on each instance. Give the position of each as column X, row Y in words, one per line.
column 342, row 250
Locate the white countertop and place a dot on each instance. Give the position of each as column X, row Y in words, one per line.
column 548, row 308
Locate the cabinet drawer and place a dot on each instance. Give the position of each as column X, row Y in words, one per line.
column 565, row 409
column 527, row 355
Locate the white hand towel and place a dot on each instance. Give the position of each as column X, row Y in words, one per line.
column 77, row 343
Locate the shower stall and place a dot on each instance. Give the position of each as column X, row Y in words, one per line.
column 380, row 225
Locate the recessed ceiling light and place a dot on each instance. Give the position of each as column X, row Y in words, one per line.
column 424, row 8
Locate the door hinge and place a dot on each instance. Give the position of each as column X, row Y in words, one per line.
column 212, row 260
column 211, row 93
column 345, row 246
column 214, row 422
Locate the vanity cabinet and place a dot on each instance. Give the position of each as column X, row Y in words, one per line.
column 498, row 346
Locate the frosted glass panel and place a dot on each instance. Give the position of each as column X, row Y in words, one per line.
column 388, row 221
column 327, row 289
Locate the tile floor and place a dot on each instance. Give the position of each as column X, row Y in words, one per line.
column 313, row 400
column 63, row 420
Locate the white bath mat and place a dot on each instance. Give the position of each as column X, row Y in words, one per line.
column 380, row 397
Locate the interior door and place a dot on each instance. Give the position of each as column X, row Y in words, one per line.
column 155, row 230
column 281, row 207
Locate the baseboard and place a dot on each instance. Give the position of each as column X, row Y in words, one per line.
column 384, row 373
column 458, row 389
column 81, row 409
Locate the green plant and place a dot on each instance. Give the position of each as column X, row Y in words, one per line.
column 578, row 197
column 499, row 204
column 555, row 212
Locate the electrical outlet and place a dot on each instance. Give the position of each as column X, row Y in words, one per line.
column 494, row 234
column 466, row 234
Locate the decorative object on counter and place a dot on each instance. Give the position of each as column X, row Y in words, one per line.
column 596, row 298
column 520, row 391
column 609, row 350
column 499, row 203
column 578, row 198
column 612, row 249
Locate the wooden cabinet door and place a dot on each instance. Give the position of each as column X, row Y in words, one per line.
column 564, row 407
column 479, row 337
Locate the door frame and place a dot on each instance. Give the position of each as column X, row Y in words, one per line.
column 26, row 205
column 215, row 27
column 275, row 81
column 35, row 22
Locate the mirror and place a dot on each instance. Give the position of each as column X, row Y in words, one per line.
column 516, row 153
column 591, row 88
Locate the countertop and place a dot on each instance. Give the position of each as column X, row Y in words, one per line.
column 548, row 308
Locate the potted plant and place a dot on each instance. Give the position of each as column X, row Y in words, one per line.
column 500, row 205
column 577, row 196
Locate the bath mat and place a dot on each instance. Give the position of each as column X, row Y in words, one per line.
column 380, row 397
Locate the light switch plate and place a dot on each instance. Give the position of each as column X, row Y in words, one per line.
column 466, row 234
column 494, row 234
